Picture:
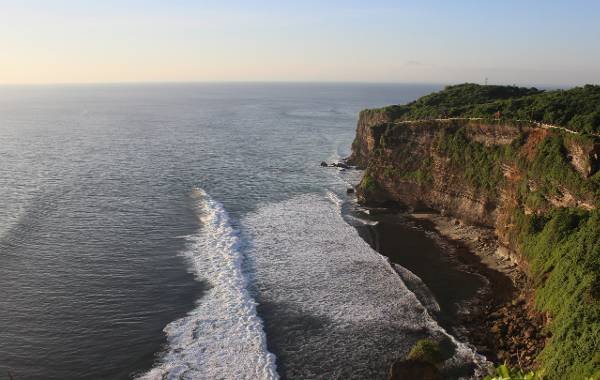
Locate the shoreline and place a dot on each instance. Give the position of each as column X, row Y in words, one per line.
column 502, row 324
column 497, row 318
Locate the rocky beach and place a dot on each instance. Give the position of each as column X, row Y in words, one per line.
column 500, row 321
column 481, row 297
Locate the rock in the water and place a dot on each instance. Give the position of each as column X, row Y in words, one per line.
column 350, row 190
column 413, row 369
column 341, row 165
column 324, row 164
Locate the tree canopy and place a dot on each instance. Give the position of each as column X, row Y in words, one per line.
column 577, row 109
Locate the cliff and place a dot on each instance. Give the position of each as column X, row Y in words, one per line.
column 537, row 187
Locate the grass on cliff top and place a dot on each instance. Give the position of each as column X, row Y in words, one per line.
column 577, row 108
column 563, row 248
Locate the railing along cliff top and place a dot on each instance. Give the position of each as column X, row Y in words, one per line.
column 536, row 123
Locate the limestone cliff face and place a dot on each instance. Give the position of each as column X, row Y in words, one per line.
column 473, row 170
column 442, row 188
column 367, row 134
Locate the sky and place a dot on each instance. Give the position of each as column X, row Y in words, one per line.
column 526, row 42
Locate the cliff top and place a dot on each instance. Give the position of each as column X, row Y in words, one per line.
column 577, row 109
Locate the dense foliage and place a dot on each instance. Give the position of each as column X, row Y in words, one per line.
column 563, row 248
column 577, row 109
column 480, row 165
column 562, row 245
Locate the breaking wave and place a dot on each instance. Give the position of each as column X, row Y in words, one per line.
column 223, row 336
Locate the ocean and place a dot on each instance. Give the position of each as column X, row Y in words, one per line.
column 187, row 231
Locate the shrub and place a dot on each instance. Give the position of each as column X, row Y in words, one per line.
column 368, row 183
column 426, row 350
column 563, row 249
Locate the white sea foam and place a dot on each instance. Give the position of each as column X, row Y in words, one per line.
column 353, row 220
column 333, row 197
column 341, row 309
column 222, row 338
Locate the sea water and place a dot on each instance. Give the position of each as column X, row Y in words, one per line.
column 187, row 231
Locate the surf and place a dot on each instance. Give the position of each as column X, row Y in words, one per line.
column 223, row 336
column 335, row 308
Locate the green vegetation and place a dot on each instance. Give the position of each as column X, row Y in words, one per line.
column 577, row 109
column 563, row 249
column 480, row 165
column 537, row 177
column 426, row 350
column 552, row 170
column 455, row 101
column 415, row 169
column 421, row 176
column 368, row 183
column 502, row 372
column 562, row 245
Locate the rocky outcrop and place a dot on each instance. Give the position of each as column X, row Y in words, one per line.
column 367, row 134
column 496, row 134
column 584, row 156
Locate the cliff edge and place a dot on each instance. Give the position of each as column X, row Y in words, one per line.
column 535, row 182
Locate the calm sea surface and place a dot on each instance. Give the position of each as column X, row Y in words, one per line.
column 188, row 231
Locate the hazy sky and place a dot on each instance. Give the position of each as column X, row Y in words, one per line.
column 510, row 41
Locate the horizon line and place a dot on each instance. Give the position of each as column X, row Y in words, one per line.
column 192, row 82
